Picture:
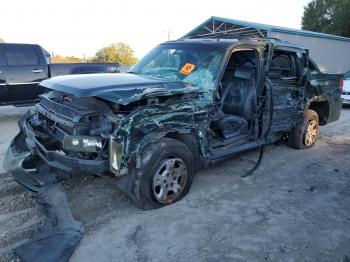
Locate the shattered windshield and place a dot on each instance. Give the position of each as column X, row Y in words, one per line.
column 196, row 64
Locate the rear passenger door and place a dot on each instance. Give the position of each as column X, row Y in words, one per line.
column 24, row 71
column 287, row 76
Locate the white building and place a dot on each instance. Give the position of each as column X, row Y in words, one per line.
column 331, row 53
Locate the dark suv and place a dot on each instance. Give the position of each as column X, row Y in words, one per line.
column 184, row 105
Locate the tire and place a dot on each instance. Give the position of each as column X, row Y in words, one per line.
column 305, row 133
column 167, row 165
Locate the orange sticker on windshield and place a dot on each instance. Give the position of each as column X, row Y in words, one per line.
column 187, row 69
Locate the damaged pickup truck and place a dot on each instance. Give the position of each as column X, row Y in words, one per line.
column 186, row 104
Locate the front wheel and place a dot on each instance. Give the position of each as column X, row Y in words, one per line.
column 165, row 175
column 304, row 134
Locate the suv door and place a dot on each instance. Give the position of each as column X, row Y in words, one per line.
column 287, row 75
column 3, row 87
column 24, row 71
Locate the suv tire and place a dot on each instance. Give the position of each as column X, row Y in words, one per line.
column 304, row 134
column 165, row 175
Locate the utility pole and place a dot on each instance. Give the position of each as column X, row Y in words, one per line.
column 168, row 33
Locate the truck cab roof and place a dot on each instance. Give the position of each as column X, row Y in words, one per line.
column 233, row 41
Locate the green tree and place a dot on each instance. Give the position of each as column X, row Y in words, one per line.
column 66, row 59
column 120, row 53
column 327, row 16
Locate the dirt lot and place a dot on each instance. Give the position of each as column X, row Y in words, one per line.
column 295, row 208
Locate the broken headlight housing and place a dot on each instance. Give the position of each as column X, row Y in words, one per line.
column 115, row 155
column 82, row 143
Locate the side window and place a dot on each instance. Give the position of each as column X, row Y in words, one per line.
column 285, row 66
column 302, row 65
column 21, row 55
column 281, row 65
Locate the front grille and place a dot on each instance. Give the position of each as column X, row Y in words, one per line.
column 59, row 109
column 346, row 93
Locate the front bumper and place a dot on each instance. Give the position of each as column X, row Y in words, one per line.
column 68, row 164
column 61, row 233
column 26, row 145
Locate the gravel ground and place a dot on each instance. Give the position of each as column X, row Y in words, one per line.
column 294, row 208
column 8, row 127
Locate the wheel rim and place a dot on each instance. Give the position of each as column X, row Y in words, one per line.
column 169, row 180
column 311, row 133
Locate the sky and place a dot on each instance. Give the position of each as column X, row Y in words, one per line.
column 81, row 27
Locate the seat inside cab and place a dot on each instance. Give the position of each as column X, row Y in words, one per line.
column 237, row 96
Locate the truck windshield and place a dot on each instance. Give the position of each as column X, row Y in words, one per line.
column 196, row 64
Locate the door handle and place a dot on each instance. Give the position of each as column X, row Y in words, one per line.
column 37, row 71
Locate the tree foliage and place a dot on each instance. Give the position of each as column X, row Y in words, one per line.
column 66, row 59
column 120, row 53
column 327, row 16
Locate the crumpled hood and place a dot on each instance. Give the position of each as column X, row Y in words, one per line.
column 118, row 88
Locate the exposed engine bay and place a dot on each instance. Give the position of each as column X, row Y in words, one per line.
column 65, row 127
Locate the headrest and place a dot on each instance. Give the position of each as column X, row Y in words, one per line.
column 244, row 73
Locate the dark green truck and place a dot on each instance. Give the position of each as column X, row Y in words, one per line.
column 186, row 104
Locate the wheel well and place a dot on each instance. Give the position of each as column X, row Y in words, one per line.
column 191, row 141
column 322, row 110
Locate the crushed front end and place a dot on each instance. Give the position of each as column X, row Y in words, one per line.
column 65, row 136
column 70, row 135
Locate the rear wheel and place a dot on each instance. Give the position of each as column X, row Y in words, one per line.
column 165, row 175
column 304, row 135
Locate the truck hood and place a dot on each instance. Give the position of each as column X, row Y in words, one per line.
column 119, row 88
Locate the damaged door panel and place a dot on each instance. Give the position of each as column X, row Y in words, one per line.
column 186, row 104
column 287, row 76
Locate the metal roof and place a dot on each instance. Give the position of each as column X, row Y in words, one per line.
column 216, row 27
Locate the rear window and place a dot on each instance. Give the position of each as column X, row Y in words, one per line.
column 347, row 75
column 21, row 55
